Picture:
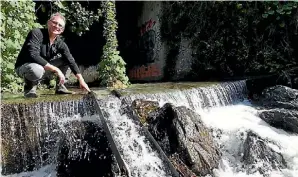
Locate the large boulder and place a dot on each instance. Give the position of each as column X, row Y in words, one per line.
column 281, row 118
column 280, row 93
column 180, row 131
column 259, row 156
column 280, row 105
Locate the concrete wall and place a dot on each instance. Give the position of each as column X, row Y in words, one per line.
column 152, row 52
column 184, row 60
column 151, row 49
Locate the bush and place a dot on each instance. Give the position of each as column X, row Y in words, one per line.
column 112, row 69
column 17, row 19
column 234, row 38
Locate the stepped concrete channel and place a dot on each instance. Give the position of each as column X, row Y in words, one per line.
column 66, row 133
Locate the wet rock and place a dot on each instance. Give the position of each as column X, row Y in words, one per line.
column 84, row 151
column 180, row 166
column 281, row 118
column 279, row 97
column 179, row 130
column 280, row 93
column 143, row 108
column 259, row 156
column 280, row 105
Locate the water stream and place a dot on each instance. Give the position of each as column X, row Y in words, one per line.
column 223, row 108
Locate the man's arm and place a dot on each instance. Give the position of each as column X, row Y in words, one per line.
column 73, row 66
column 34, row 41
column 71, row 62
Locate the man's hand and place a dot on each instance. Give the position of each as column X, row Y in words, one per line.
column 57, row 71
column 83, row 85
column 82, row 82
column 61, row 76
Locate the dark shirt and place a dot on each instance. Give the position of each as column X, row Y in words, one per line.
column 37, row 49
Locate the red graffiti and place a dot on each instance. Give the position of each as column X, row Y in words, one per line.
column 148, row 25
column 145, row 72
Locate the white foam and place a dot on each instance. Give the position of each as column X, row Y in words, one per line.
column 236, row 120
column 141, row 159
column 46, row 171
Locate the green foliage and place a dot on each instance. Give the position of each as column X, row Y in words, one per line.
column 112, row 66
column 78, row 18
column 234, row 38
column 17, row 19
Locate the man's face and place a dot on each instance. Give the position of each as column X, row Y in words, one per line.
column 56, row 25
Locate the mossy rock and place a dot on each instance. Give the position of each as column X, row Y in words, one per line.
column 143, row 108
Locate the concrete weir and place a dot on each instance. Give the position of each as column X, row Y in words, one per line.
column 67, row 133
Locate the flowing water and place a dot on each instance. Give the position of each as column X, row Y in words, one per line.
column 141, row 159
column 223, row 108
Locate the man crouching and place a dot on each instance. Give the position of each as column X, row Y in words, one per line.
column 44, row 51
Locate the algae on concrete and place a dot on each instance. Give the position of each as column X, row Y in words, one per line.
column 162, row 87
column 49, row 95
column 44, row 96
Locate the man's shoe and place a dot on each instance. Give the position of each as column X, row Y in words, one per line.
column 30, row 89
column 61, row 89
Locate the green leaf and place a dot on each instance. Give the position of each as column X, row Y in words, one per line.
column 282, row 24
column 10, row 65
column 271, row 12
column 264, row 15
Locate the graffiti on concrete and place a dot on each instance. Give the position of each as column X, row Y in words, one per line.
column 145, row 72
column 148, row 47
column 147, row 42
column 147, row 26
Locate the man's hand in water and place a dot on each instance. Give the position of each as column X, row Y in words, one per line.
column 82, row 82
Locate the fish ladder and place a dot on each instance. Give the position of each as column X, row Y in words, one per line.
column 121, row 164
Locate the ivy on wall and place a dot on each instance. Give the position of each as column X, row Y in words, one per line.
column 111, row 69
column 17, row 19
column 233, row 38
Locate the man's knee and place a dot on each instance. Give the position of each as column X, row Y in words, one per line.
column 33, row 72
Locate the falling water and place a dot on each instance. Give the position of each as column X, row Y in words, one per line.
column 32, row 135
column 225, row 109
column 222, row 107
column 141, row 159
column 231, row 125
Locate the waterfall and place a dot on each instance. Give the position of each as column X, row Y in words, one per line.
column 223, row 108
column 141, row 158
column 198, row 98
column 33, row 135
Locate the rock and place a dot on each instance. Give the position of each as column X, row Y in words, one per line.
column 279, row 97
column 143, row 108
column 280, row 107
column 280, row 93
column 179, row 130
column 281, row 118
column 180, row 166
column 258, row 156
